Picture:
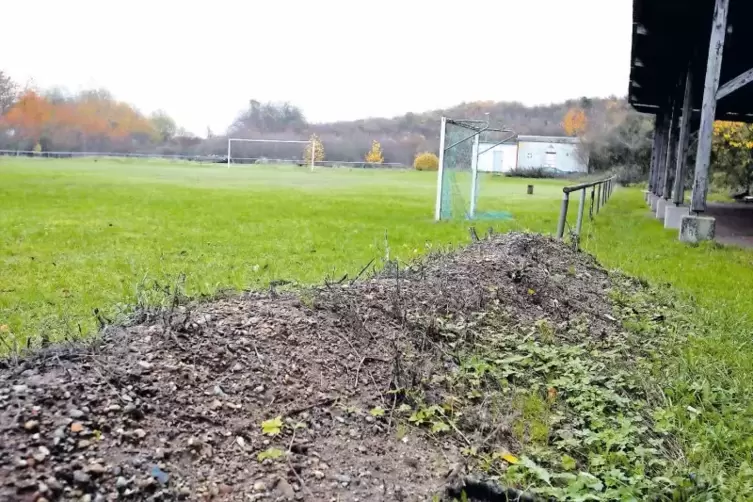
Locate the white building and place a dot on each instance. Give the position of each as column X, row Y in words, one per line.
column 498, row 158
column 556, row 153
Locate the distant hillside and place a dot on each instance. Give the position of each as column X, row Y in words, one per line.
column 404, row 136
column 50, row 120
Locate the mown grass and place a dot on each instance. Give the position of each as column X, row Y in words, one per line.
column 710, row 383
column 79, row 235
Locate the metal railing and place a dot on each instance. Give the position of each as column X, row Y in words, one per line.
column 601, row 191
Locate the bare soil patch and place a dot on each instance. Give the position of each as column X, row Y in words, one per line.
column 172, row 408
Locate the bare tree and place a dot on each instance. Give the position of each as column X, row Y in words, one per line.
column 164, row 125
column 8, row 92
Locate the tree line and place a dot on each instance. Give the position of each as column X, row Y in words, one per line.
column 93, row 120
column 611, row 133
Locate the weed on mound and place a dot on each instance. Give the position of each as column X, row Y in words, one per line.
column 512, row 367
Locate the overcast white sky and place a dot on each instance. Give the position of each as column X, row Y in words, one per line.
column 202, row 61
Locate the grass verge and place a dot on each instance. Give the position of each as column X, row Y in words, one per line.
column 709, row 383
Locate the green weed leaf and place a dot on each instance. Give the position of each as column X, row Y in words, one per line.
column 439, row 426
column 377, row 411
column 272, row 427
column 569, row 463
column 272, row 453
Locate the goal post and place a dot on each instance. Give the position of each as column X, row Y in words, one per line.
column 460, row 177
column 230, row 142
column 440, row 172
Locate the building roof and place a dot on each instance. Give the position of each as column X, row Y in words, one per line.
column 669, row 33
column 535, row 139
column 548, row 139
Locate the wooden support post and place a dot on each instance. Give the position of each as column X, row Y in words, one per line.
column 661, row 160
column 678, row 192
column 708, row 109
column 654, row 152
column 672, row 142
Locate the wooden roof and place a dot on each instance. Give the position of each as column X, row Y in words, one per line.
column 669, row 33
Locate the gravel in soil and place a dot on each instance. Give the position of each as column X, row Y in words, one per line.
column 174, row 407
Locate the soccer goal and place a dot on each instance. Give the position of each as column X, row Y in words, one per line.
column 460, row 179
column 283, row 151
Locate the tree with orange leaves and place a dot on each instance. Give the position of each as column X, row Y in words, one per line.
column 30, row 116
column 90, row 119
column 575, row 122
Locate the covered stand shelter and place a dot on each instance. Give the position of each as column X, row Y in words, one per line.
column 691, row 64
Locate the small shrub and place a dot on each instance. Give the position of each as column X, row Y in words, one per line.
column 535, row 172
column 426, row 161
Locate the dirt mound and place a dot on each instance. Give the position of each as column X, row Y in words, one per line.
column 276, row 396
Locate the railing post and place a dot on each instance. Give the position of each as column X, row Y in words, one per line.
column 598, row 198
column 593, row 202
column 581, row 208
column 563, row 215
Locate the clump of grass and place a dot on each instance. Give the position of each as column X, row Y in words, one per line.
column 532, row 424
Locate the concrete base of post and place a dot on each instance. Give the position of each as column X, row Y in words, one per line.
column 646, row 193
column 661, row 204
column 694, row 229
column 673, row 215
column 652, row 199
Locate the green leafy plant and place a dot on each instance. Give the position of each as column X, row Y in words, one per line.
column 439, row 426
column 569, row 463
column 270, row 453
column 377, row 411
column 272, row 427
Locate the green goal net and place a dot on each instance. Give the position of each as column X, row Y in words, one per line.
column 469, row 181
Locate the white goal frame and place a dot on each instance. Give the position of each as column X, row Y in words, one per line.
column 244, row 140
column 476, row 128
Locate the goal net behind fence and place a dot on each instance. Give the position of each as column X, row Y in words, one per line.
column 463, row 192
column 271, row 151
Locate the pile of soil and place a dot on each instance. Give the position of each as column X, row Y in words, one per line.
column 172, row 407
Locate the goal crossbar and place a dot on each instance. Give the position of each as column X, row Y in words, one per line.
column 247, row 140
